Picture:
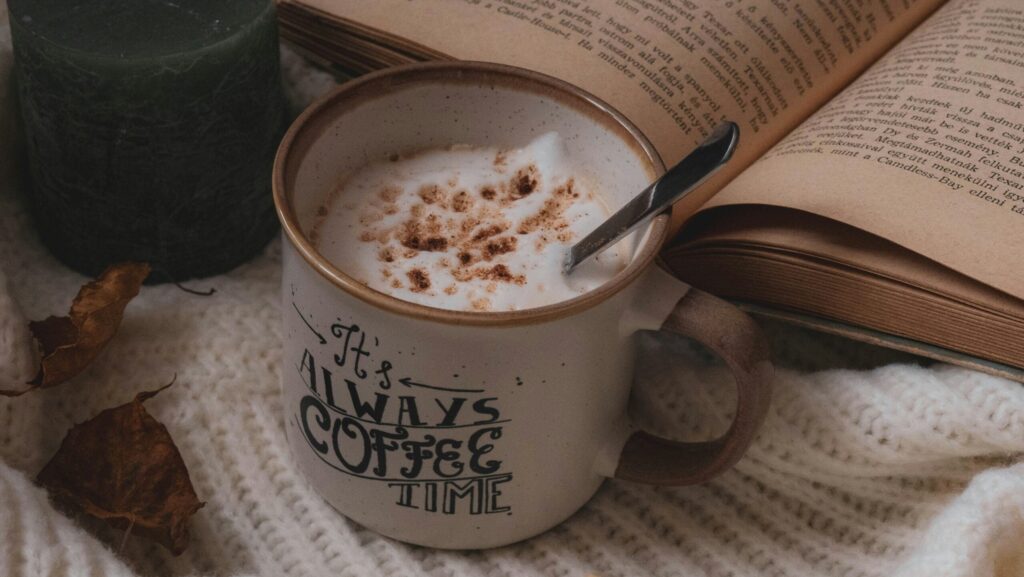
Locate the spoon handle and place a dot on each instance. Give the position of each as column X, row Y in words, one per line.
column 676, row 183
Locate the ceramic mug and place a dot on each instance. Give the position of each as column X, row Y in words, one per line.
column 469, row 429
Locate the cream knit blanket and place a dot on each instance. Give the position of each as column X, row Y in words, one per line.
column 899, row 470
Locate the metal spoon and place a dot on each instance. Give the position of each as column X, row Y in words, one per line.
column 678, row 182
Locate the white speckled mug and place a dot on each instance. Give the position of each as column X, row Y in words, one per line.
column 466, row 429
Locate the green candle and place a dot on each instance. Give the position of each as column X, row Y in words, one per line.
column 150, row 129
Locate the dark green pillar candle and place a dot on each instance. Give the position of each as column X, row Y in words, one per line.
column 150, row 129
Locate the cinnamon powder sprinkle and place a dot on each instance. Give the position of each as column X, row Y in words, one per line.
column 525, row 182
column 431, row 194
column 550, row 215
column 370, row 218
column 413, row 237
column 499, row 246
column 497, row 273
column 444, row 217
column 389, row 193
column 500, row 272
column 429, row 244
column 540, row 243
column 420, row 280
column 461, row 202
column 488, row 232
column 468, row 225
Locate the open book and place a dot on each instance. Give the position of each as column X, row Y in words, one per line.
column 878, row 191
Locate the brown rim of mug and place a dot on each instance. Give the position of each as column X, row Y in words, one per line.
column 299, row 138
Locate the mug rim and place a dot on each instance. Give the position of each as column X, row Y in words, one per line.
column 341, row 99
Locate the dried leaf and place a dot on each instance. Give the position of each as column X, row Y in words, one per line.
column 69, row 344
column 123, row 467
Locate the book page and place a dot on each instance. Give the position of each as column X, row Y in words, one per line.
column 926, row 149
column 676, row 68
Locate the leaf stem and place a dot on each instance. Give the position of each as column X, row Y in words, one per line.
column 127, row 532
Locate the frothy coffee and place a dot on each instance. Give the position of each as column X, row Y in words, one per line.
column 467, row 228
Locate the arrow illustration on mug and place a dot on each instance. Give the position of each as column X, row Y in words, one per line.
column 323, row 341
column 406, row 381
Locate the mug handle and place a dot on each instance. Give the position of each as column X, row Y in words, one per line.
column 735, row 337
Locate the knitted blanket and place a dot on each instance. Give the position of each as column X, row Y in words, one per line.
column 870, row 463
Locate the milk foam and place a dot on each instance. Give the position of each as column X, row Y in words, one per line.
column 464, row 228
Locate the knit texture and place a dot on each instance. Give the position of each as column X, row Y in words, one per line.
column 901, row 470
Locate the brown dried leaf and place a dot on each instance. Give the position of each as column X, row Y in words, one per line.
column 123, row 467
column 69, row 344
